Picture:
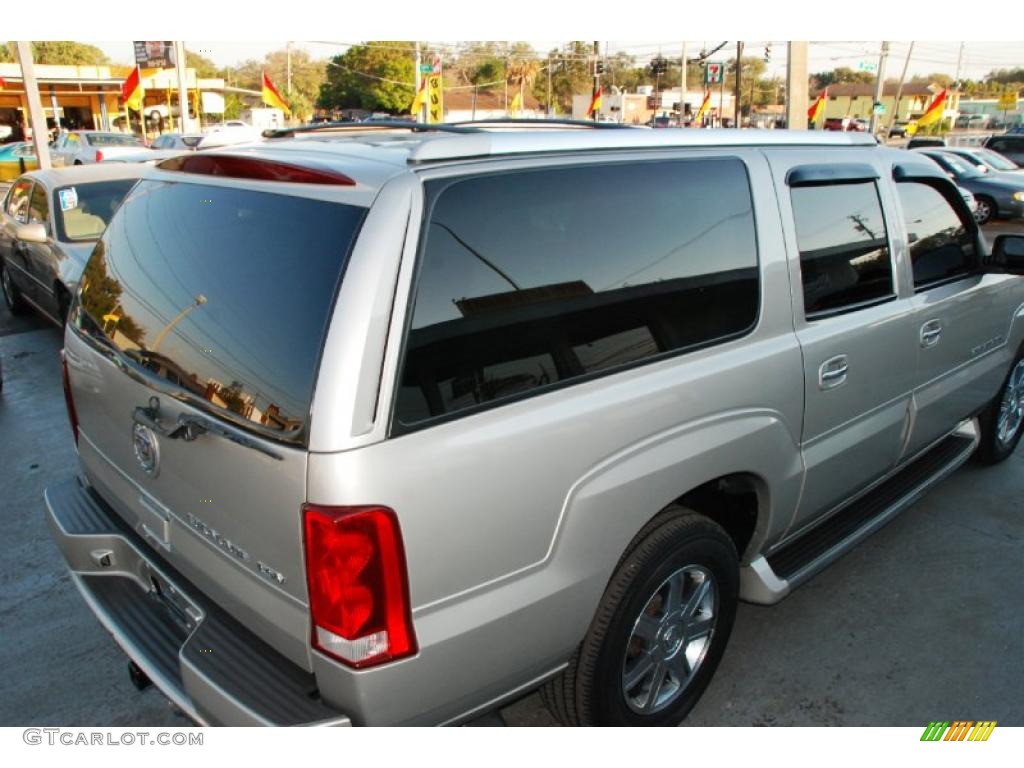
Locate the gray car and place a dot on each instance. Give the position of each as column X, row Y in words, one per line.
column 998, row 196
column 384, row 425
column 988, row 161
column 50, row 222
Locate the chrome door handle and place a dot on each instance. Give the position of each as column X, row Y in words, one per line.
column 833, row 372
column 931, row 332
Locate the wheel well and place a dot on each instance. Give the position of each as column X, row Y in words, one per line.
column 732, row 501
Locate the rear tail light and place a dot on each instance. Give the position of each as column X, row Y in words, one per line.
column 69, row 400
column 99, row 156
column 358, row 584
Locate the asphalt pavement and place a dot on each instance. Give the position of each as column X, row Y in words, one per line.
column 924, row 621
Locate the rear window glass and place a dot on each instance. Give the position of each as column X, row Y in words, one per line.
column 113, row 140
column 223, row 292
column 84, row 210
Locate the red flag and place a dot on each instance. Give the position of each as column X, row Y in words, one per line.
column 132, row 92
column 595, row 103
column 272, row 97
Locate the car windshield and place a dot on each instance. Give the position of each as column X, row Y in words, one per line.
column 83, row 210
column 113, row 140
column 961, row 167
column 996, row 160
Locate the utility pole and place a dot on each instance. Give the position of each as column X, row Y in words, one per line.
column 288, row 64
column 186, row 124
column 597, row 77
column 959, row 63
column 796, row 86
column 550, row 65
column 417, row 77
column 736, row 96
column 682, row 85
column 35, row 106
column 879, row 81
column 899, row 88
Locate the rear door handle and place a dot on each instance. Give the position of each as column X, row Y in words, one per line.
column 931, row 332
column 832, row 372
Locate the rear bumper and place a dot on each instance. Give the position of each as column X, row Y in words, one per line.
column 209, row 665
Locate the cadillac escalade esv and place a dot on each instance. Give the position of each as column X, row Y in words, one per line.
column 386, row 425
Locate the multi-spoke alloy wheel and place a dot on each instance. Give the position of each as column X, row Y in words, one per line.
column 670, row 639
column 660, row 628
column 1011, row 408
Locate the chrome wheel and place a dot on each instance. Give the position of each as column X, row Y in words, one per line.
column 1011, row 408
column 670, row 639
column 983, row 211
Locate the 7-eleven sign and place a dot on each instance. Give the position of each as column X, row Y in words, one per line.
column 713, row 72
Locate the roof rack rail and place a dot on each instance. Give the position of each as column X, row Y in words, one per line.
column 369, row 125
column 544, row 121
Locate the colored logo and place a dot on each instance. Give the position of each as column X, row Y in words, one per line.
column 961, row 730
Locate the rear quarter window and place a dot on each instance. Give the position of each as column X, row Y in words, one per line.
column 222, row 293
column 529, row 280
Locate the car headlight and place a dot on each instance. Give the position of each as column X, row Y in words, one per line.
column 1019, row 196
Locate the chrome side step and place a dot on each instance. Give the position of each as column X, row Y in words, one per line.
column 770, row 578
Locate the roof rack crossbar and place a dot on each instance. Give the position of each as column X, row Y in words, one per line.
column 553, row 122
column 342, row 126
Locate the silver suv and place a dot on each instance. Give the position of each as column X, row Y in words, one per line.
column 386, row 425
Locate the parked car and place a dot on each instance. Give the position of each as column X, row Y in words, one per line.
column 232, row 132
column 150, row 156
column 997, row 196
column 1010, row 145
column 925, row 141
column 435, row 463
column 987, row 160
column 82, row 147
column 49, row 225
column 972, row 204
column 903, row 128
column 16, row 158
column 185, row 141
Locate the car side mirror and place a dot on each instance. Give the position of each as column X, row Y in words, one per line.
column 36, row 233
column 1008, row 254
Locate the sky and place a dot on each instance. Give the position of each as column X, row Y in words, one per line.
column 928, row 56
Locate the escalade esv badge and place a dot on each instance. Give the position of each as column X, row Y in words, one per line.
column 147, row 449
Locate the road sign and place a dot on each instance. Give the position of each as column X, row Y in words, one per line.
column 879, row 108
column 1007, row 101
column 867, row 66
column 426, row 69
column 713, row 72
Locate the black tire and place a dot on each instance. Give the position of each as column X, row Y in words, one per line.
column 590, row 691
column 63, row 303
column 12, row 296
column 986, row 210
column 991, row 449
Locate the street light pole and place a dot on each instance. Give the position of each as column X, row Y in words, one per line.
column 198, row 301
column 796, row 86
column 899, row 88
column 35, row 106
column 879, row 81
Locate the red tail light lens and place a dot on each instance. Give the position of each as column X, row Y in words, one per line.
column 69, row 400
column 99, row 156
column 358, row 584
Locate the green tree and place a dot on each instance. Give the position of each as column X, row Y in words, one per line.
column 59, row 52
column 840, row 75
column 375, row 76
column 570, row 75
column 203, row 66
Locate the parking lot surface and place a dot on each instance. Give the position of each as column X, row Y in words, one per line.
column 923, row 621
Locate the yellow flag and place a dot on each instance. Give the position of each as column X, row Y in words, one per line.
column 516, row 105
column 421, row 98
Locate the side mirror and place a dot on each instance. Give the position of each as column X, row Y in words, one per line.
column 36, row 233
column 1008, row 254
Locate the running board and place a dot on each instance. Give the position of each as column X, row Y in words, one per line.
column 768, row 579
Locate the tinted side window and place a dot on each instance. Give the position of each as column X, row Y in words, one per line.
column 533, row 278
column 38, row 210
column 844, row 251
column 17, row 203
column 941, row 244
